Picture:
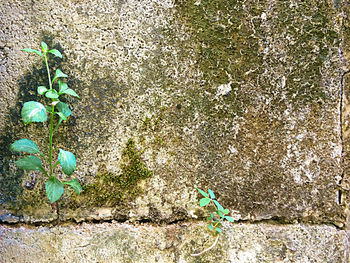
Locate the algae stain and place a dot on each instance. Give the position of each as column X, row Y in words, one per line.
column 222, row 37
column 311, row 47
column 225, row 48
column 226, row 37
column 110, row 188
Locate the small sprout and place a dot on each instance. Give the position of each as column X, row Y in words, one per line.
column 214, row 224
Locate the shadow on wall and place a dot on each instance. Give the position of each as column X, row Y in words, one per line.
column 11, row 178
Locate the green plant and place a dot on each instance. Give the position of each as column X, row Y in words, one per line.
column 58, row 112
column 216, row 218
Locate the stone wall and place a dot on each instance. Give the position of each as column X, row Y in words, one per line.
column 248, row 98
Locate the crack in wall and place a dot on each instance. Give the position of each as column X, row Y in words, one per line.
column 280, row 221
column 342, row 101
column 341, row 124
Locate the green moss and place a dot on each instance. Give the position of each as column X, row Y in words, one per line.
column 110, row 188
column 224, row 43
column 310, row 48
column 229, row 40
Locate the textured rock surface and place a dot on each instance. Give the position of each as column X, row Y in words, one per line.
column 243, row 97
column 249, row 98
column 173, row 243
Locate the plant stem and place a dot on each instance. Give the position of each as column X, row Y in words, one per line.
column 58, row 124
column 51, row 119
column 218, row 222
column 48, row 71
column 51, row 137
column 205, row 250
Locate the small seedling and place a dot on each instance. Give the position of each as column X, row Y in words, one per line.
column 216, row 218
column 58, row 112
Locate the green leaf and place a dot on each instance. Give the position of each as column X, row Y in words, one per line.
column 48, row 109
column 220, row 213
column 33, row 111
column 56, row 53
column 70, row 92
column 52, row 94
column 30, row 50
column 218, row 229
column 64, row 108
column 202, row 192
column 62, row 116
column 44, row 47
column 218, row 205
column 211, row 215
column 211, row 194
column 54, row 189
column 30, row 163
column 204, row 201
column 59, row 74
column 24, row 145
column 67, row 161
column 42, row 90
column 229, row 219
column 210, row 227
column 62, row 86
column 226, row 211
column 75, row 185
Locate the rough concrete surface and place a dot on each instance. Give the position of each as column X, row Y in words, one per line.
column 249, row 98
column 108, row 242
column 242, row 98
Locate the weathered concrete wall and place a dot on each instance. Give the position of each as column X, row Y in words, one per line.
column 173, row 243
column 248, row 98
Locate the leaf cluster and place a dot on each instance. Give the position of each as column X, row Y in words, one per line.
column 34, row 111
column 216, row 218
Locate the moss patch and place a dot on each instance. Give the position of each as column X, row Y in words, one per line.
column 109, row 188
column 233, row 43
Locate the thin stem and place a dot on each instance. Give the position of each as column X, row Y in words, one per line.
column 51, row 118
column 57, row 163
column 58, row 124
column 205, row 250
column 48, row 70
column 218, row 222
column 51, row 139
